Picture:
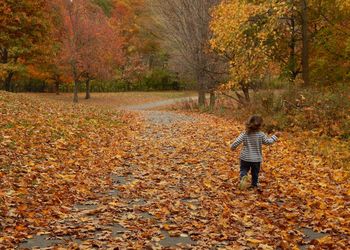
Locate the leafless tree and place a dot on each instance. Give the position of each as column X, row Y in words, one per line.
column 186, row 33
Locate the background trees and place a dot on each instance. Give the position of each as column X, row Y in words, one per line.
column 90, row 44
column 185, row 30
column 240, row 34
column 295, row 35
column 137, row 43
column 25, row 32
column 76, row 41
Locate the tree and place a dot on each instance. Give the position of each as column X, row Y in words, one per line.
column 241, row 35
column 140, row 45
column 25, row 29
column 305, row 41
column 104, row 51
column 185, row 26
column 330, row 53
column 90, row 44
column 298, row 35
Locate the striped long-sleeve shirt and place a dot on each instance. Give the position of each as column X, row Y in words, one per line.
column 252, row 144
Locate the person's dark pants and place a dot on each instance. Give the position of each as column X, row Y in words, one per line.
column 255, row 169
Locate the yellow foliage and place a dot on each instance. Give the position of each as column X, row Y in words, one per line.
column 239, row 31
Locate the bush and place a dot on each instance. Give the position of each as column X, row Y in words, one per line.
column 275, row 83
column 323, row 110
column 160, row 79
column 157, row 79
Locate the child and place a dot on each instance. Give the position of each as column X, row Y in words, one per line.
column 251, row 155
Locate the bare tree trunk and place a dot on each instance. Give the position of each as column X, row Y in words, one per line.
column 7, row 83
column 76, row 85
column 201, row 98
column 87, row 96
column 246, row 94
column 292, row 64
column 57, row 87
column 201, row 90
column 305, row 41
column 212, row 100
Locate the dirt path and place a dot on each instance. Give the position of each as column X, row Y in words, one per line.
column 156, row 117
column 152, row 105
column 178, row 189
column 130, row 209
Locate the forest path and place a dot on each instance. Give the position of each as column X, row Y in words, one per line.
column 148, row 111
column 157, row 104
column 177, row 188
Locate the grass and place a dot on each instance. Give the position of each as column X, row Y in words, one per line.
column 115, row 100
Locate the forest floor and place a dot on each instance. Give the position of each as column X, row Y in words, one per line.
column 150, row 179
column 119, row 99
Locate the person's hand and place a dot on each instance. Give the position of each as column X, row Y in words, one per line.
column 278, row 134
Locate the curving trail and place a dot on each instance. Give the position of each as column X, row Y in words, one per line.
column 177, row 188
column 157, row 104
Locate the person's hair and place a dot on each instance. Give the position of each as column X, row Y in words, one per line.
column 254, row 123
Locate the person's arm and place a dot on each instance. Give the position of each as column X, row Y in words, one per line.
column 268, row 141
column 238, row 141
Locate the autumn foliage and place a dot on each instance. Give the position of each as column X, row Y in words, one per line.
column 52, row 155
column 55, row 155
column 73, row 41
column 25, row 31
column 284, row 39
column 93, row 177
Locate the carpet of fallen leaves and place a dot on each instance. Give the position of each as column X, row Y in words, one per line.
column 191, row 162
column 179, row 178
column 52, row 155
column 113, row 100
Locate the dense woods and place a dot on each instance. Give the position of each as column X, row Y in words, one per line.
column 289, row 39
column 148, row 44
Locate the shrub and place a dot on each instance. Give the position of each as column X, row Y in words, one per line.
column 157, row 79
column 161, row 79
column 323, row 110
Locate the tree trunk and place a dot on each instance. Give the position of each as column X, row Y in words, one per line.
column 246, row 94
column 292, row 64
column 76, row 78
column 87, row 96
column 76, row 85
column 305, row 40
column 201, row 90
column 57, row 87
column 201, row 98
column 212, row 100
column 7, row 83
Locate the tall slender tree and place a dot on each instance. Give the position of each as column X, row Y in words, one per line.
column 305, row 41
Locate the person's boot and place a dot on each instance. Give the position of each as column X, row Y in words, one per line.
column 243, row 182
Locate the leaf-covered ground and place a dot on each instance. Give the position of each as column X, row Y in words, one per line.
column 153, row 179
column 52, row 155
column 113, row 100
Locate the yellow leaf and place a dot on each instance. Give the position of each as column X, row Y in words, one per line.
column 253, row 242
column 325, row 239
column 265, row 247
column 193, row 207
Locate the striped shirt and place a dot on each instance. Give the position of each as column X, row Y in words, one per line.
column 252, row 144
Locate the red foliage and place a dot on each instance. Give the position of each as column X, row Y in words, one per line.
column 90, row 43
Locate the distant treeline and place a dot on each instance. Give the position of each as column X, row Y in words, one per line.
column 156, row 80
